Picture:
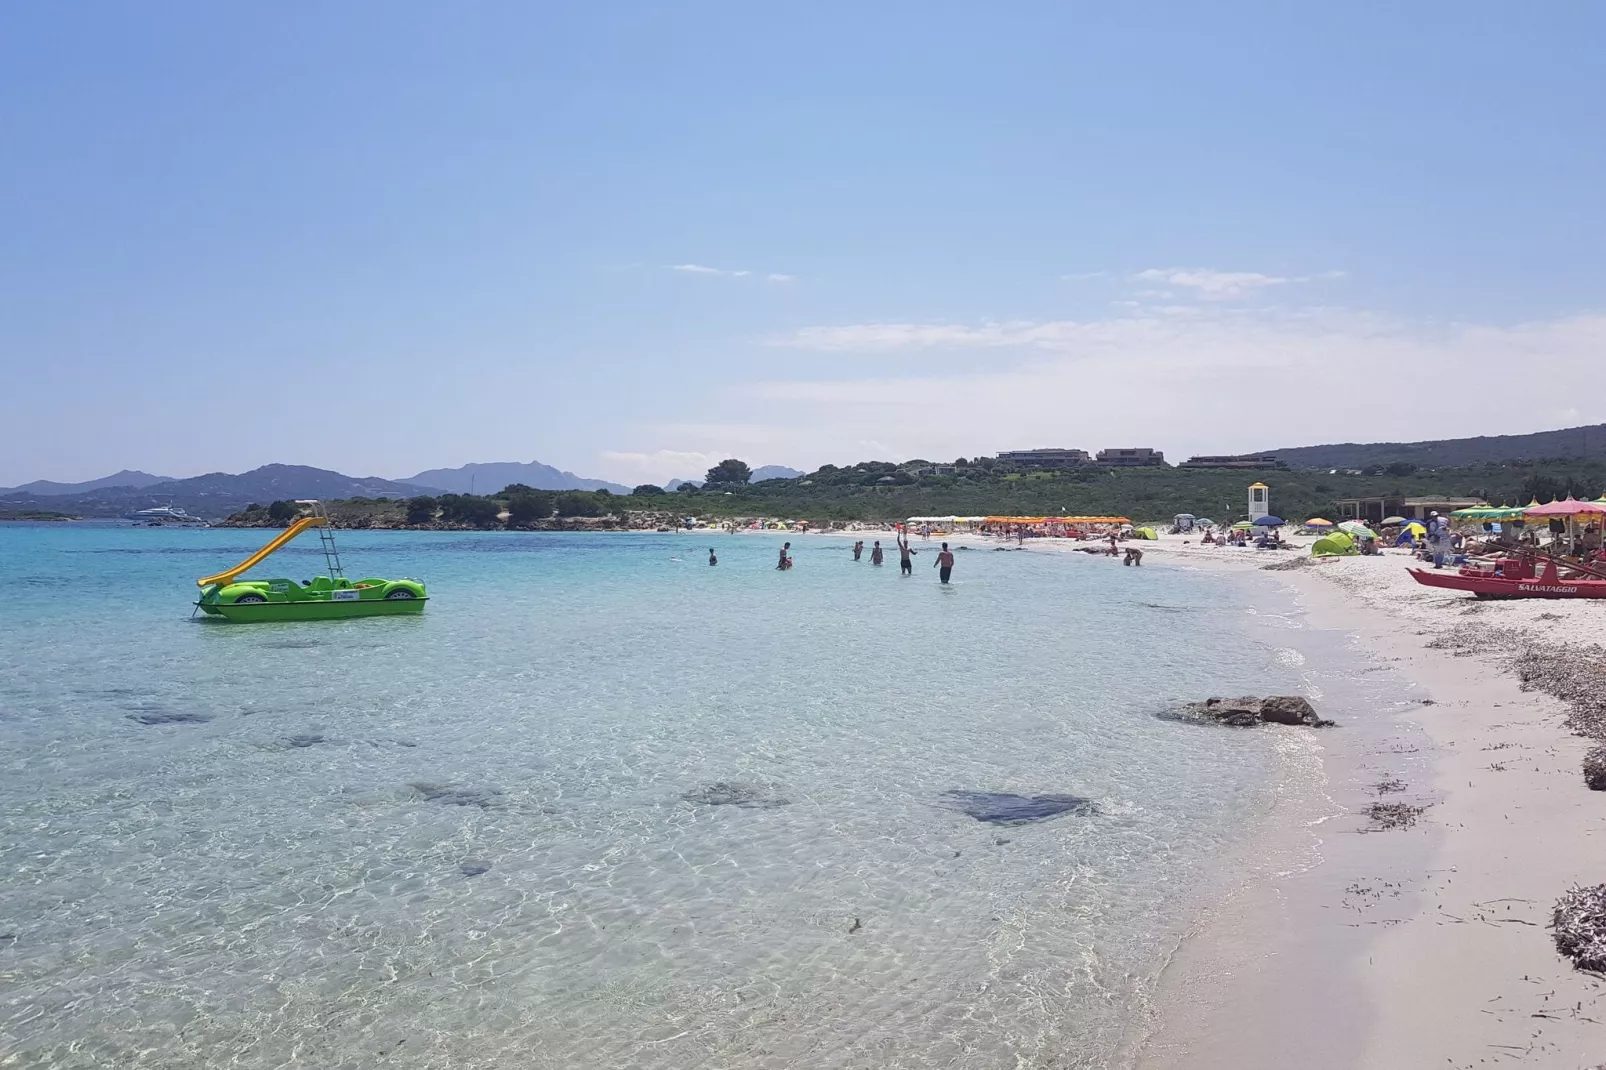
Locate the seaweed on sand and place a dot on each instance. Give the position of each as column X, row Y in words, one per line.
column 1393, row 815
column 1579, row 925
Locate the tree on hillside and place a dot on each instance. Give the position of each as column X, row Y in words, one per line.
column 516, row 488
column 647, row 490
column 421, row 510
column 729, row 470
column 281, row 511
column 528, row 507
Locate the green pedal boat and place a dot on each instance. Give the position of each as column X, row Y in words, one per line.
column 331, row 597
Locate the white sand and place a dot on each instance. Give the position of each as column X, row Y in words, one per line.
column 1386, row 954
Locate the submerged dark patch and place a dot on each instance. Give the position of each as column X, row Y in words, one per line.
column 999, row 808
column 734, row 793
column 306, row 739
column 169, row 717
column 473, row 869
column 452, row 795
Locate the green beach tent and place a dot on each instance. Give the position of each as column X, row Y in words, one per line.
column 1337, row 544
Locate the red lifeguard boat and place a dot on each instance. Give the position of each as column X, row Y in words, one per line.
column 1514, row 577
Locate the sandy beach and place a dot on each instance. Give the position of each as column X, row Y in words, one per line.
column 1346, row 944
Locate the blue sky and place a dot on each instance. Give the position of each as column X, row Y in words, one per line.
column 630, row 239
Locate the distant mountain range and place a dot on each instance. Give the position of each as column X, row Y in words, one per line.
column 214, row 495
column 491, row 477
column 1572, row 443
column 49, row 488
column 774, row 471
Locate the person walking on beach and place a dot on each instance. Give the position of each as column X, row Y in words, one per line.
column 786, row 557
column 876, row 554
column 712, row 560
column 858, row 548
column 906, row 565
column 945, row 564
column 1438, row 538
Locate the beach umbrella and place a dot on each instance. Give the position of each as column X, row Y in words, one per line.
column 1357, row 529
column 1566, row 507
column 1204, row 522
column 1318, row 522
column 1394, row 520
column 1269, row 522
column 1242, row 525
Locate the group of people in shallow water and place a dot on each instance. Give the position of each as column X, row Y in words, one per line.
column 944, row 563
column 906, row 565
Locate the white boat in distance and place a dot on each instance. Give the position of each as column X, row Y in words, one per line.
column 164, row 514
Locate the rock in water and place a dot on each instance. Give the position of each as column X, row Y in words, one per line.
column 1287, row 709
column 1250, row 710
column 1595, row 768
column 998, row 808
column 1579, row 925
column 474, row 869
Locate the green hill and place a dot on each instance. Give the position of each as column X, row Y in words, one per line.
column 1572, row 443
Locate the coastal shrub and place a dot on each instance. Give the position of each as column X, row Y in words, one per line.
column 578, row 503
column 527, row 508
column 470, row 509
column 646, row 490
column 421, row 510
column 281, row 511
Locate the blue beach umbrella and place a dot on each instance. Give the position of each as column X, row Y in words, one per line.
column 1269, row 522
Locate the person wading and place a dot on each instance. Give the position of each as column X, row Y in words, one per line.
column 906, row 564
column 876, row 556
column 945, row 564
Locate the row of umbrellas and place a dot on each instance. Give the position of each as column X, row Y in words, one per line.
column 1565, row 507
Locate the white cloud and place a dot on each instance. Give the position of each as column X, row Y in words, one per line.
column 1214, row 285
column 1203, row 378
column 873, row 337
column 740, row 273
column 658, row 466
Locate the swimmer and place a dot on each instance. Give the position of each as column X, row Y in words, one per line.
column 858, row 548
column 712, row 560
column 906, row 565
column 945, row 564
column 876, row 554
column 786, row 557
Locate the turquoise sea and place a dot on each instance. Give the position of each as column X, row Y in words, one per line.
column 602, row 805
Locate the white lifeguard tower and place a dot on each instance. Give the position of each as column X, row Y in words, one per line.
column 1259, row 501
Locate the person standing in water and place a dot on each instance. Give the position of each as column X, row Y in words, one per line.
column 876, row 554
column 786, row 557
column 906, row 565
column 712, row 560
column 945, row 564
column 858, row 548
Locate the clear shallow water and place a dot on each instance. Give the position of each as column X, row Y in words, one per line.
column 288, row 882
